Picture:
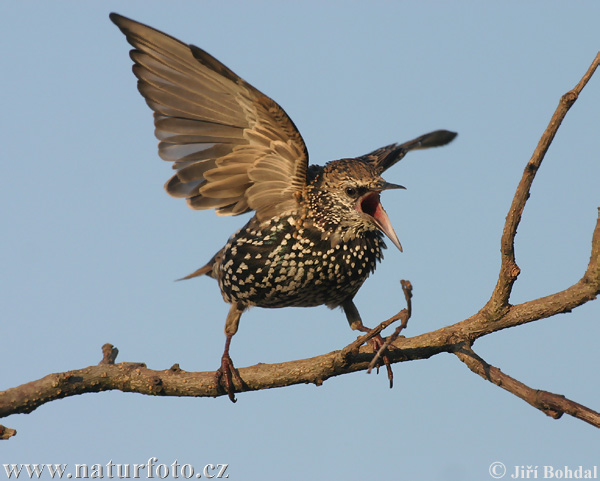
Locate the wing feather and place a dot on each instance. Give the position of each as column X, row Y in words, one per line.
column 234, row 148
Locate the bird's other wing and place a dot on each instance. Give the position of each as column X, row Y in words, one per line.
column 234, row 148
column 387, row 156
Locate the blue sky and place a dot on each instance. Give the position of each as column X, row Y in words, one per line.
column 92, row 243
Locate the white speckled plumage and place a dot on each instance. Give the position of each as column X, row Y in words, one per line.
column 317, row 232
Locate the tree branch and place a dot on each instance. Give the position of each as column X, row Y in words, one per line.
column 458, row 338
column 553, row 405
column 509, row 269
column 136, row 377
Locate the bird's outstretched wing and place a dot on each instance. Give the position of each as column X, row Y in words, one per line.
column 383, row 158
column 234, row 148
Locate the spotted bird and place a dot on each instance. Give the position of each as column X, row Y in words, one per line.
column 317, row 232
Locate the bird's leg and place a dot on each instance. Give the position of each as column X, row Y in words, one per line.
column 227, row 370
column 377, row 342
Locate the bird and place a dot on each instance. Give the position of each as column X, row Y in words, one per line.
column 317, row 232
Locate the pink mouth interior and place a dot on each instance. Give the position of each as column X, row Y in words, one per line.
column 370, row 205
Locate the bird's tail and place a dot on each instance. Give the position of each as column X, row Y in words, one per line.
column 385, row 157
column 207, row 269
column 204, row 270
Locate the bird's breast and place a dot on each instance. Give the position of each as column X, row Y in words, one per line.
column 282, row 264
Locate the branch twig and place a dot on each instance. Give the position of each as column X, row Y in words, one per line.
column 109, row 354
column 509, row 270
column 6, row 433
column 553, row 405
column 404, row 314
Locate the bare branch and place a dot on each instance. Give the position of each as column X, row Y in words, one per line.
column 509, row 269
column 553, row 405
column 136, row 377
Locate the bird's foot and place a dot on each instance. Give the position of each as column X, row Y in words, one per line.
column 377, row 342
column 226, row 373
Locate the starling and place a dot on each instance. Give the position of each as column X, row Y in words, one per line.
column 317, row 232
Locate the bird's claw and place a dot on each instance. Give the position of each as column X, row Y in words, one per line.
column 226, row 373
column 377, row 342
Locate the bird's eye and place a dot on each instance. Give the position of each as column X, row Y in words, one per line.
column 350, row 191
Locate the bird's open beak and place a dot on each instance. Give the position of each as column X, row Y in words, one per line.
column 371, row 205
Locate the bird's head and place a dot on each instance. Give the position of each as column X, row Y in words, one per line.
column 346, row 193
